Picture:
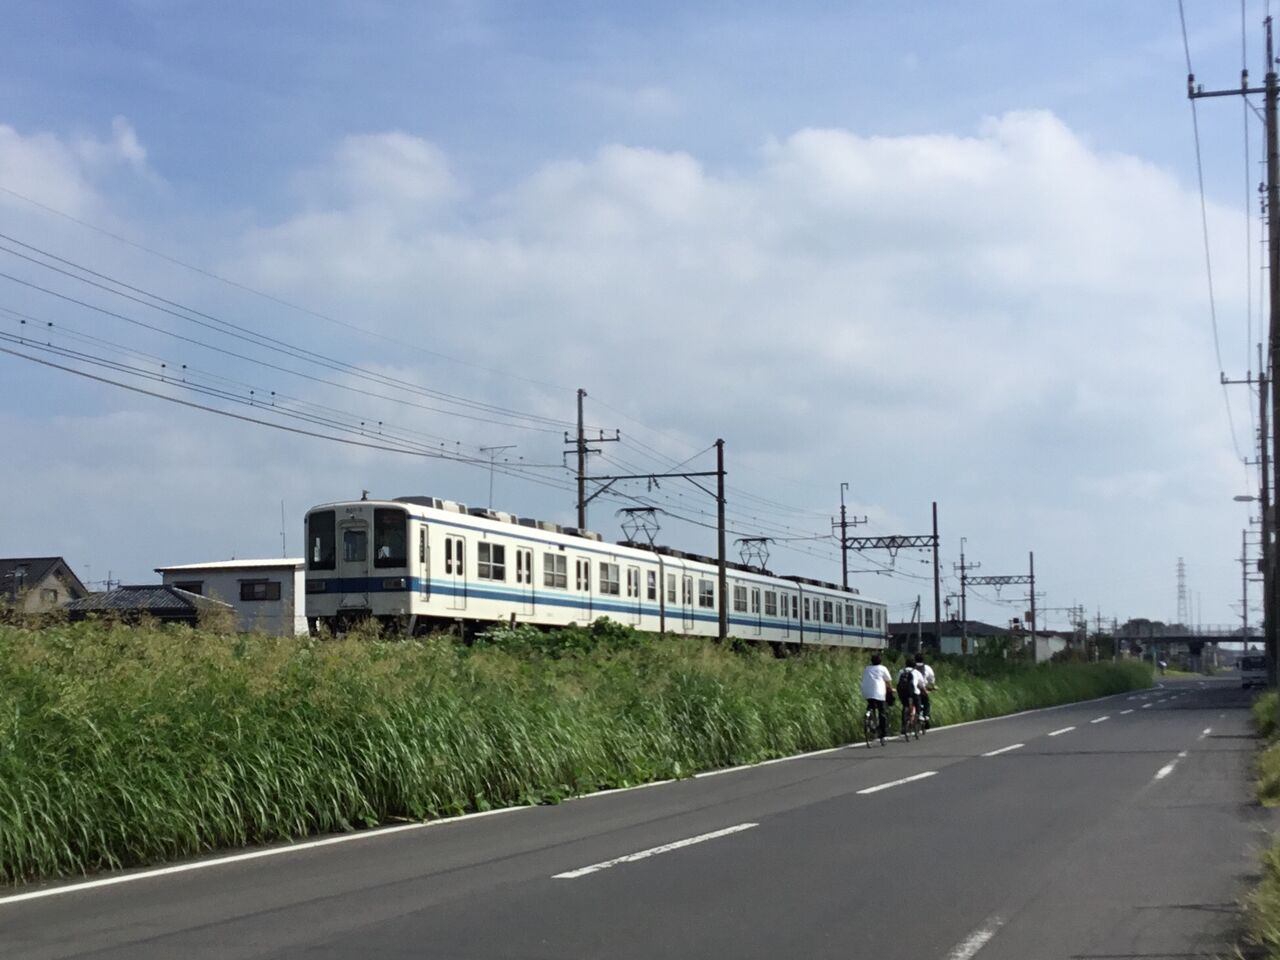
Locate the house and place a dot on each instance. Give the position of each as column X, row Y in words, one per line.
column 267, row 595
column 162, row 603
column 38, row 584
column 903, row 636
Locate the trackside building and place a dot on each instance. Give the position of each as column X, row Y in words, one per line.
column 266, row 595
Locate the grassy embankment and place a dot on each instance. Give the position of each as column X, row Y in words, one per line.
column 123, row 746
column 1264, row 902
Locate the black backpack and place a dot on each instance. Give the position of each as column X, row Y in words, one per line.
column 906, row 683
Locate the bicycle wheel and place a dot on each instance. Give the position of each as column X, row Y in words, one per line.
column 868, row 727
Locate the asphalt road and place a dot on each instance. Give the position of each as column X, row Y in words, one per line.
column 1121, row 828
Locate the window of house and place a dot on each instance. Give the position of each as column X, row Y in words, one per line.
column 770, row 603
column 321, row 549
column 191, row 586
column 739, row 599
column 491, row 561
column 651, row 580
column 259, row 589
column 48, row 595
column 609, row 583
column 706, row 593
column 555, row 571
column 390, row 537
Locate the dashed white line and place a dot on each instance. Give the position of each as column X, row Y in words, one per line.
column 1058, row 733
column 1168, row 767
column 652, row 851
column 1123, row 712
column 996, row 753
column 897, row 783
column 1146, row 706
column 1100, row 719
column 970, row 945
column 1205, row 733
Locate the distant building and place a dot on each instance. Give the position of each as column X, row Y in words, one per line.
column 267, row 595
column 38, row 584
column 902, row 636
column 130, row 603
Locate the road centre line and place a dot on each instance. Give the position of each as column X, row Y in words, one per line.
column 1100, row 719
column 970, row 945
column 1204, row 733
column 996, row 753
column 1123, row 712
column 1168, row 767
column 1145, row 706
column 653, row 851
column 1058, row 733
column 897, row 783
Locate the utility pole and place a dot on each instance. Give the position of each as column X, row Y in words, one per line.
column 845, row 523
column 937, row 582
column 1271, row 95
column 964, row 597
column 580, row 443
column 1035, row 650
column 1244, row 588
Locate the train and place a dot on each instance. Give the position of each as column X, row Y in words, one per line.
column 422, row 563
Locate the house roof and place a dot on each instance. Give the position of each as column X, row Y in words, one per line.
column 37, row 568
column 280, row 563
column 149, row 598
column 950, row 628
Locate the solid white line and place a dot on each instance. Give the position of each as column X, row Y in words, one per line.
column 1100, row 719
column 995, row 753
column 897, row 783
column 1058, row 733
column 970, row 945
column 605, row 793
column 251, row 855
column 765, row 763
column 653, row 851
column 1205, row 733
column 1123, row 712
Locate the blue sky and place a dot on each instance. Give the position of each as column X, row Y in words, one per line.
column 957, row 243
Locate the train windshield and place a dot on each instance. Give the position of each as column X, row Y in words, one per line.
column 390, row 537
column 320, row 540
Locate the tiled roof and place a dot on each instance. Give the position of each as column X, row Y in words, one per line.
column 147, row 598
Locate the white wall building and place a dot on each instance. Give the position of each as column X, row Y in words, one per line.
column 267, row 595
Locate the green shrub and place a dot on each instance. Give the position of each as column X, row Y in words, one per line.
column 1264, row 713
column 126, row 745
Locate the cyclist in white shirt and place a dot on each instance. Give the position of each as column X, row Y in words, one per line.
column 876, row 681
column 930, row 683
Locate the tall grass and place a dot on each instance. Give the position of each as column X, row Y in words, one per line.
column 1263, row 904
column 123, row 746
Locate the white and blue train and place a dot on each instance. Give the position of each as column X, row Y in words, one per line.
column 423, row 563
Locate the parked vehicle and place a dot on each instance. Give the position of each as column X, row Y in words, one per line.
column 1253, row 671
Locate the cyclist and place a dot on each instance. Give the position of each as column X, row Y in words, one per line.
column 910, row 686
column 930, row 683
column 875, row 688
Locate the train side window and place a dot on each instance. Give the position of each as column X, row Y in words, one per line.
column 321, row 539
column 583, row 575
column 739, row 599
column 390, row 537
column 448, row 554
column 848, row 614
column 861, row 617
column 706, row 593
column 755, row 600
column 826, row 611
column 652, row 584
column 686, row 591
column 671, row 588
column 555, row 571
column 795, row 613
column 879, row 619
column 491, row 561
column 609, row 579
column 524, row 566
column 633, row 581
column 422, row 544
column 770, row 603
column 839, row 613
column 806, row 608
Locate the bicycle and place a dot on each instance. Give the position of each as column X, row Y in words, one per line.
column 910, row 721
column 870, row 726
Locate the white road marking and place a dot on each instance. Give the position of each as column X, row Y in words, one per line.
column 1123, row 712
column 1100, row 719
column 764, row 763
column 1165, row 700
column 897, row 783
column 1058, row 733
column 252, row 855
column 653, row 851
column 1205, row 733
column 970, row 945
column 996, row 753
column 1168, row 767
column 1145, row 706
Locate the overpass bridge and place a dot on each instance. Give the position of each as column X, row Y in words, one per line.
column 1199, row 634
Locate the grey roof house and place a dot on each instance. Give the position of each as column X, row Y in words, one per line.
column 164, row 603
column 38, row 584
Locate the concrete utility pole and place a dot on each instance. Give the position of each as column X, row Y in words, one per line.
column 1271, row 95
column 845, row 523
column 580, row 443
column 964, row 569
column 937, row 583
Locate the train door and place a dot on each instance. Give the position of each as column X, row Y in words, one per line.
column 686, row 602
column 633, row 595
column 757, row 625
column 524, row 579
column 582, row 581
column 353, row 563
column 424, row 563
column 455, row 571
column 784, row 612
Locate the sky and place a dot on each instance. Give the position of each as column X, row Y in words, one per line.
column 939, row 252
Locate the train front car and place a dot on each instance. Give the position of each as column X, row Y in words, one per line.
column 359, row 565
